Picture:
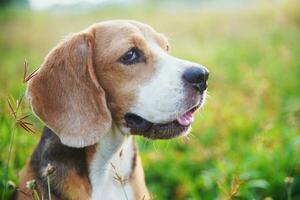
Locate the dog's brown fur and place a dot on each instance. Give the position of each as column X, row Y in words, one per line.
column 78, row 92
column 69, row 183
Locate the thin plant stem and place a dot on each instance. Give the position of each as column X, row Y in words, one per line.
column 49, row 189
column 289, row 185
column 119, row 178
column 289, row 191
column 14, row 113
column 35, row 195
column 8, row 160
column 122, row 186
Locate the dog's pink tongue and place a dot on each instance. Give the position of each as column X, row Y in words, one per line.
column 186, row 119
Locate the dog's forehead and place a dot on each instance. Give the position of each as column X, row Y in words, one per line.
column 127, row 30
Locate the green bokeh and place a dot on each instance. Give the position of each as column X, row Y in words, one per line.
column 249, row 129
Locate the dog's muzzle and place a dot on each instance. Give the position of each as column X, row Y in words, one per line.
column 195, row 79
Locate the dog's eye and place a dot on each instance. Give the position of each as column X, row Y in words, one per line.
column 132, row 56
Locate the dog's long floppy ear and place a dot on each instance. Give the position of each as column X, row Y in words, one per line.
column 65, row 93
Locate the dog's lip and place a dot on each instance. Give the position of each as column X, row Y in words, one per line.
column 141, row 126
column 191, row 110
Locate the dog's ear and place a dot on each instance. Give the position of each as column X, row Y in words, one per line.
column 65, row 93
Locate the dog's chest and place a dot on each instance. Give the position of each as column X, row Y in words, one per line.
column 111, row 169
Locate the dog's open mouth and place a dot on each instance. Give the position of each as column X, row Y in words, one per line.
column 141, row 126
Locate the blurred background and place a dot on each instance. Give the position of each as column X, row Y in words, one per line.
column 245, row 142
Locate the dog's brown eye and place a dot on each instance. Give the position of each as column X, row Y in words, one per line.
column 132, row 56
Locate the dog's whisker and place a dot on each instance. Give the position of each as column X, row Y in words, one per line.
column 167, row 146
column 155, row 146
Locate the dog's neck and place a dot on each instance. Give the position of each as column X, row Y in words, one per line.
column 100, row 171
column 112, row 165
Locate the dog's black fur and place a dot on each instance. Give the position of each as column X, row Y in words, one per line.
column 63, row 158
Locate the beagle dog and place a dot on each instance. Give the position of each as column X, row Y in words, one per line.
column 96, row 90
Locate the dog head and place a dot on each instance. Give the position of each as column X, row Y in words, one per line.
column 116, row 72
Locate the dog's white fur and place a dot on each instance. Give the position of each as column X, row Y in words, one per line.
column 160, row 99
column 113, row 160
column 163, row 98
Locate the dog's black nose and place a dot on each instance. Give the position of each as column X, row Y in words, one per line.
column 197, row 77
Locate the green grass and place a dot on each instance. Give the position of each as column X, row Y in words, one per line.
column 245, row 141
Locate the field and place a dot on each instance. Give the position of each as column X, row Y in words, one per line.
column 245, row 142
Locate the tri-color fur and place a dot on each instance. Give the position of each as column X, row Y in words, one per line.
column 92, row 103
column 73, row 168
